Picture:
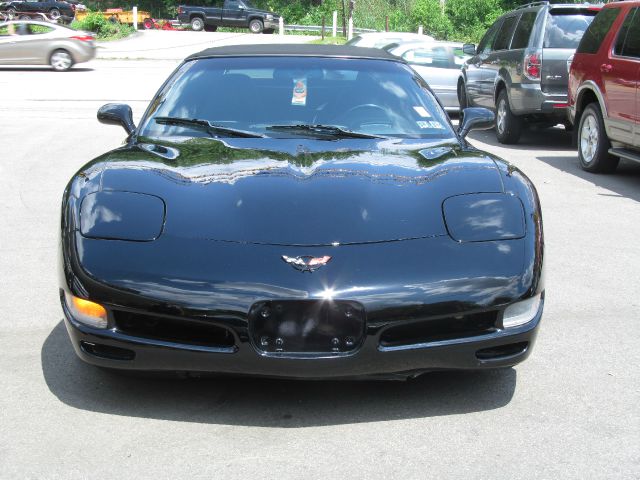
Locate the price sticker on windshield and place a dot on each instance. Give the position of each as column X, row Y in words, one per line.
column 299, row 92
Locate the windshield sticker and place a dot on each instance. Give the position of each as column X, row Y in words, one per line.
column 430, row 124
column 299, row 92
column 422, row 112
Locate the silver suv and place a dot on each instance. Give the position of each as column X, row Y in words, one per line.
column 519, row 69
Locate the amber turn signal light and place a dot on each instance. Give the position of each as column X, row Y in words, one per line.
column 86, row 312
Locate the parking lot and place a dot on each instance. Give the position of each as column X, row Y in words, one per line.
column 569, row 411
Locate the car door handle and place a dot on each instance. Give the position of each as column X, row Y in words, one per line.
column 606, row 68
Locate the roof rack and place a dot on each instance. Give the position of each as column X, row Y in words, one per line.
column 533, row 4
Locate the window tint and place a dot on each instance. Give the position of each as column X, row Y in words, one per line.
column 506, row 31
column 459, row 57
column 35, row 29
column 487, row 40
column 628, row 42
column 594, row 36
column 565, row 30
column 436, row 56
column 523, row 30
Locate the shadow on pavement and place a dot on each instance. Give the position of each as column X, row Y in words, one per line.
column 625, row 181
column 267, row 402
column 537, row 139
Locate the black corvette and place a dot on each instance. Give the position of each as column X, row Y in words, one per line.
column 300, row 211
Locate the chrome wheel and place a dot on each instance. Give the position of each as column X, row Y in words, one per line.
column 255, row 26
column 501, row 117
column 54, row 14
column 61, row 60
column 589, row 137
column 197, row 24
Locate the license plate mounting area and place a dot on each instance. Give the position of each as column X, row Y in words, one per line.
column 306, row 327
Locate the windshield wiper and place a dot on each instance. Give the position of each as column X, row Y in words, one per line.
column 322, row 131
column 211, row 128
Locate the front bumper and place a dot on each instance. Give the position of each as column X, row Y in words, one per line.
column 271, row 24
column 510, row 347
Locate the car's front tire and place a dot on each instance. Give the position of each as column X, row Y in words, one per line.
column 54, row 13
column 508, row 125
column 197, row 24
column 61, row 60
column 462, row 96
column 593, row 143
column 256, row 26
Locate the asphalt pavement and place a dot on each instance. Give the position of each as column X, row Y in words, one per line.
column 571, row 411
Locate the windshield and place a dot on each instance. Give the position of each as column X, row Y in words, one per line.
column 254, row 94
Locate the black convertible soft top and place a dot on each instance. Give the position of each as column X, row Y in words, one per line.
column 294, row 50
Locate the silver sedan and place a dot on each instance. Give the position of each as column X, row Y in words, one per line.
column 43, row 43
column 438, row 63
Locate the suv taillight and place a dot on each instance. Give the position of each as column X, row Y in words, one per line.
column 532, row 65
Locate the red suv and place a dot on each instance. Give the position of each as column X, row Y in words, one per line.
column 604, row 88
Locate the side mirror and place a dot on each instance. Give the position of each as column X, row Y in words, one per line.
column 475, row 118
column 117, row 114
column 469, row 49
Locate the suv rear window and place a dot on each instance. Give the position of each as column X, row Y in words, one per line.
column 565, row 30
column 594, row 36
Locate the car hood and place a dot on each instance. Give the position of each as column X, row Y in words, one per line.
column 264, row 12
column 302, row 194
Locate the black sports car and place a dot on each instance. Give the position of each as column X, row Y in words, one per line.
column 300, row 211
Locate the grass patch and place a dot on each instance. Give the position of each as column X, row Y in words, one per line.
column 330, row 41
column 104, row 29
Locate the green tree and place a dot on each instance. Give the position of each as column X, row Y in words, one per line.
column 429, row 14
column 471, row 18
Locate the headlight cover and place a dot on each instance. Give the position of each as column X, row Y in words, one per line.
column 116, row 215
column 522, row 312
column 484, row 217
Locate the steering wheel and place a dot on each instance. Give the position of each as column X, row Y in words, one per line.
column 370, row 113
column 362, row 115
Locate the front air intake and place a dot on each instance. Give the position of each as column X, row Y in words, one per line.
column 107, row 351
column 439, row 329
column 502, row 351
column 185, row 331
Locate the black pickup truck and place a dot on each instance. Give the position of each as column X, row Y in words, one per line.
column 24, row 10
column 228, row 13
